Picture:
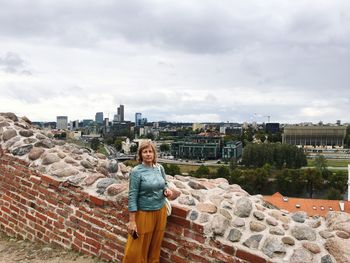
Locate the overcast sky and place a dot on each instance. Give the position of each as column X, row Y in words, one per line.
column 181, row 60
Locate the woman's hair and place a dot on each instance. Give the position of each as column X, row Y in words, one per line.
column 143, row 146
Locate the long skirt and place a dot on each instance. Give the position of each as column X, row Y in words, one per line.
column 146, row 248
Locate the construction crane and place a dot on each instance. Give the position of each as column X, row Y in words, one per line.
column 268, row 118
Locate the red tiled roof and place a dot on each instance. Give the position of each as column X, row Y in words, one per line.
column 310, row 206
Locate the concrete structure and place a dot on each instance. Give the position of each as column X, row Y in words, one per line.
column 99, row 117
column 198, row 126
column 272, row 127
column 62, row 123
column 138, row 117
column 232, row 150
column 121, row 112
column 198, row 147
column 314, row 135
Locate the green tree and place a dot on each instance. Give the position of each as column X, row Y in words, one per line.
column 222, row 172
column 313, row 181
column 334, row 194
column 171, row 169
column 338, row 181
column 321, row 165
column 94, row 144
column 164, row 147
column 133, row 148
column 118, row 144
column 202, row 171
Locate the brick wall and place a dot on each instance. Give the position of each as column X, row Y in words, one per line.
column 39, row 208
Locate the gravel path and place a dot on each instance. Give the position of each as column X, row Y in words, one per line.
column 14, row 251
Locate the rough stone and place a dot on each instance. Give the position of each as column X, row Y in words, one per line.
column 26, row 133
column 238, row 222
column 20, row 151
column 203, row 218
column 9, row 115
column 115, row 189
column 75, row 179
column 273, row 247
column 303, row 233
column 326, row 234
column 338, row 248
column 66, row 172
column 276, row 231
column 288, row 241
column 259, row 215
column 182, row 178
column 101, row 156
column 61, row 155
column 90, row 179
column 50, row 158
column 46, row 143
column 234, row 235
column 180, row 185
column 8, row 134
column 59, row 142
column 196, row 185
column 257, row 226
column 253, row 241
column 86, row 164
column 112, row 166
column 312, row 247
column 35, row 153
column 4, row 124
column 299, row 217
column 29, row 140
column 243, row 207
column 326, row 259
column 271, row 221
column 342, row 234
column 186, row 200
column 40, row 136
column 198, row 195
column 301, row 255
column 219, row 224
column 194, row 215
column 225, row 213
column 11, row 142
column 206, row 207
column 314, row 223
column 104, row 183
column 216, row 199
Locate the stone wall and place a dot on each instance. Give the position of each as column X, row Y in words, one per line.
column 41, row 208
column 61, row 193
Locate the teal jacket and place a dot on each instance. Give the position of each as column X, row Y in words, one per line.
column 146, row 187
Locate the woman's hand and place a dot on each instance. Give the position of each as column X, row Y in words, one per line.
column 168, row 193
column 132, row 227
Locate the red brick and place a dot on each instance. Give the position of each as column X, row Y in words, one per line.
column 198, row 238
column 179, row 211
column 224, row 257
column 249, row 257
column 179, row 221
column 97, row 201
column 50, row 181
column 197, row 228
column 177, row 259
column 170, row 246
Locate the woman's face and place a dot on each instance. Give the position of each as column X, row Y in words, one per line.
column 147, row 155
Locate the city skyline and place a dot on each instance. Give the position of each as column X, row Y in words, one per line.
column 192, row 61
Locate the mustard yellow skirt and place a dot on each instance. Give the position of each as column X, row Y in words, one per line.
column 146, row 248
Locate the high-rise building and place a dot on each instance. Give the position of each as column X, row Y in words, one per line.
column 138, row 118
column 121, row 113
column 62, row 123
column 99, row 117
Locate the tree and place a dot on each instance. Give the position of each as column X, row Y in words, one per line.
column 133, row 148
column 334, row 194
column 223, row 172
column 118, row 144
column 171, row 169
column 164, row 147
column 202, row 171
column 313, row 181
column 321, row 165
column 94, row 144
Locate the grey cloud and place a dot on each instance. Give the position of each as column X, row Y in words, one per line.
column 12, row 63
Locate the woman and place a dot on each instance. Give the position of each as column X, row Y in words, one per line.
column 147, row 211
